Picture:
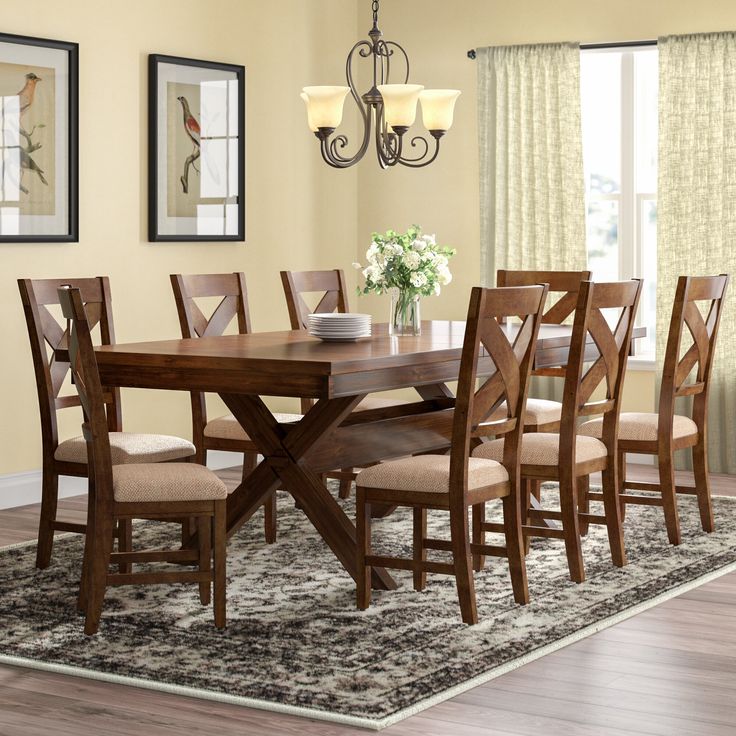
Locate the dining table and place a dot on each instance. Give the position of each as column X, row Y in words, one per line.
column 243, row 369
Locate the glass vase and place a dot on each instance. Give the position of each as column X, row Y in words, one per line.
column 404, row 318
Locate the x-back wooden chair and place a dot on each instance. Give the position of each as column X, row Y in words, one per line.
column 688, row 364
column 333, row 289
column 567, row 457
column 49, row 343
column 161, row 491
column 543, row 415
column 456, row 482
column 223, row 433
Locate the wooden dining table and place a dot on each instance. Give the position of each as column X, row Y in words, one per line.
column 243, row 369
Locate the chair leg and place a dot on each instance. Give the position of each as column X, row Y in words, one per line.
column 220, row 564
column 570, row 526
column 622, row 482
column 420, row 552
column 461, row 559
column 479, row 535
column 83, row 598
column 346, row 484
column 363, row 540
column 584, row 502
column 49, row 498
column 612, row 507
column 515, row 548
column 125, row 543
column 99, row 564
column 526, row 496
column 669, row 499
column 204, row 528
column 702, row 484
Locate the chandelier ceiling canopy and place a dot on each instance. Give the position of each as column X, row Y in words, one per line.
column 387, row 109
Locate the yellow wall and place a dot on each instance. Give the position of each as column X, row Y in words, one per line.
column 444, row 197
column 300, row 214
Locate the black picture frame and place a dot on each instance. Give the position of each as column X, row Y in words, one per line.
column 155, row 153
column 61, row 223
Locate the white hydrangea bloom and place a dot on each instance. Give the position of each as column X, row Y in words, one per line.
column 418, row 280
column 357, row 266
column 437, row 288
column 419, row 245
column 444, row 276
column 412, row 259
column 430, row 239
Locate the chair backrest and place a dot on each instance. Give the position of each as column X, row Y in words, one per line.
column 510, row 349
column 331, row 284
column 49, row 343
column 680, row 364
column 86, row 377
column 608, row 365
column 231, row 289
column 563, row 294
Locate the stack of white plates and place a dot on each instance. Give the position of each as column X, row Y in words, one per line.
column 336, row 327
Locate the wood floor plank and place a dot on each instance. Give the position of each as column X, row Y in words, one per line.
column 661, row 673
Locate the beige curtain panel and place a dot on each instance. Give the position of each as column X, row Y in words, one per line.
column 531, row 158
column 697, row 202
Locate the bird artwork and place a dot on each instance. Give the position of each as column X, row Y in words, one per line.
column 26, row 97
column 28, row 93
column 191, row 127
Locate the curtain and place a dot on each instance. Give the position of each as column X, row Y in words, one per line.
column 697, row 202
column 532, row 185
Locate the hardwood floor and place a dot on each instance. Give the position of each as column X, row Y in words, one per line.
column 668, row 671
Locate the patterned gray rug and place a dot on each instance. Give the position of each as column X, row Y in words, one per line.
column 295, row 642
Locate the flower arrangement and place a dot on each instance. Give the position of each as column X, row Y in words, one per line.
column 411, row 262
column 408, row 265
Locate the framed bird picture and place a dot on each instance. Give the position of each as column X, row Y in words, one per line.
column 38, row 140
column 196, row 167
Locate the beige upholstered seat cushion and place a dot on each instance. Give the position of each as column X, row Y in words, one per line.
column 538, row 411
column 544, row 449
column 377, row 402
column 129, row 447
column 641, row 427
column 429, row 474
column 228, row 427
column 151, row 482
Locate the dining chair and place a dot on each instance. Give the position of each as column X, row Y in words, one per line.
column 223, row 433
column 686, row 373
column 457, row 482
column 158, row 491
column 49, row 341
column 543, row 415
column 567, row 457
column 331, row 288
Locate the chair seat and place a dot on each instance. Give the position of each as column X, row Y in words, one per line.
column 429, row 474
column 544, row 449
column 228, row 427
column 159, row 482
column 376, row 402
column 129, row 447
column 641, row 427
column 538, row 411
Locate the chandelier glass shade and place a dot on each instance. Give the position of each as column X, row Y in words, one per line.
column 387, row 110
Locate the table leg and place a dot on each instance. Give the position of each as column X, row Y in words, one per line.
column 282, row 449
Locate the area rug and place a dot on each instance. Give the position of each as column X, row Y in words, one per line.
column 295, row 642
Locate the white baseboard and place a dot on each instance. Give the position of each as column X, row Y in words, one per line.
column 22, row 489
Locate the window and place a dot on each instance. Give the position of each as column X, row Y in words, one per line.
column 619, row 89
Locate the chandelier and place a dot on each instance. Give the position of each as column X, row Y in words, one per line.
column 388, row 109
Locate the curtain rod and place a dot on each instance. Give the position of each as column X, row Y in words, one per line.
column 591, row 46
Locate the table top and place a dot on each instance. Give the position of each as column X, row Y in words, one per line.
column 293, row 363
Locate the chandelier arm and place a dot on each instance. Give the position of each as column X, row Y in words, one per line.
column 419, row 162
column 389, row 53
column 388, row 145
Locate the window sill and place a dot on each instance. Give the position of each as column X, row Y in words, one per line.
column 642, row 363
